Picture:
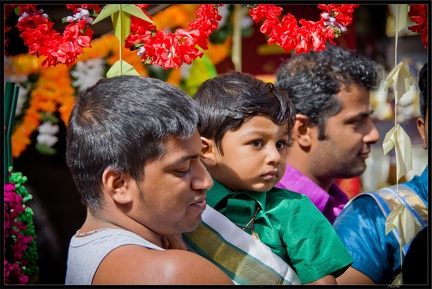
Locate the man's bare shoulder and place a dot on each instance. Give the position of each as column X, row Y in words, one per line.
column 133, row 264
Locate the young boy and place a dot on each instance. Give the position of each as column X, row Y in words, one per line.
column 244, row 127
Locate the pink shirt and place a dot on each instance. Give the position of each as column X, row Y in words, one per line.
column 329, row 203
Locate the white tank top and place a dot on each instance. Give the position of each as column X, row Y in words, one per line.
column 86, row 253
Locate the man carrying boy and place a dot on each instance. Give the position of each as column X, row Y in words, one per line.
column 133, row 150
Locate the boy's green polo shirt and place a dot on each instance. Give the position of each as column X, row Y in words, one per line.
column 290, row 224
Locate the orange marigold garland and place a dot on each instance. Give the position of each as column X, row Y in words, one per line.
column 50, row 89
column 53, row 92
column 288, row 35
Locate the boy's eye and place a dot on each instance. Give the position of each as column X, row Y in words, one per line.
column 257, row 143
column 281, row 144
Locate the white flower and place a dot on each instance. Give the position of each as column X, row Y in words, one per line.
column 25, row 14
column 46, row 139
column 185, row 70
column 22, row 97
column 141, row 51
column 82, row 14
column 87, row 73
column 224, row 12
column 48, row 128
column 246, row 21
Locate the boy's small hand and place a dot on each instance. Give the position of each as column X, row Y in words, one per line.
column 173, row 242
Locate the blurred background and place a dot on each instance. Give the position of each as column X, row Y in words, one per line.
column 58, row 212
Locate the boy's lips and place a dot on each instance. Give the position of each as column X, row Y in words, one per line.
column 271, row 175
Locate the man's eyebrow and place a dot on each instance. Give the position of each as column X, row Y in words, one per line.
column 183, row 159
column 365, row 114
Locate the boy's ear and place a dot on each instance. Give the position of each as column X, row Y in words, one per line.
column 118, row 186
column 208, row 152
column 301, row 132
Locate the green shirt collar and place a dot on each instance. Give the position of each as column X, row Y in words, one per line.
column 219, row 192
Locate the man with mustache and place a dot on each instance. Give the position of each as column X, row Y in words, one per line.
column 333, row 131
column 361, row 225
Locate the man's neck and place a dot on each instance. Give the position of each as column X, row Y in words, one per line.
column 302, row 167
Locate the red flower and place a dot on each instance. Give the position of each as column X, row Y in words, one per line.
column 342, row 12
column 170, row 50
column 42, row 40
column 89, row 7
column 418, row 14
column 13, row 274
column 288, row 35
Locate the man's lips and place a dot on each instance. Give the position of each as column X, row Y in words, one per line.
column 200, row 204
column 364, row 154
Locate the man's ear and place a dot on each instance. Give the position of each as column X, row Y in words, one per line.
column 208, row 152
column 117, row 185
column 301, row 132
column 422, row 132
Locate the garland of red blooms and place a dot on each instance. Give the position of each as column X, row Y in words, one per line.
column 170, row 50
column 38, row 35
column 288, row 35
column 418, row 14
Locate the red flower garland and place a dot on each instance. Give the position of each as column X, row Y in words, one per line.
column 170, row 50
column 288, row 35
column 42, row 40
column 418, row 14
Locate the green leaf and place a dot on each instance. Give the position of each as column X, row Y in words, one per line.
column 121, row 22
column 106, row 11
column 121, row 67
column 46, row 150
column 134, row 10
column 130, row 9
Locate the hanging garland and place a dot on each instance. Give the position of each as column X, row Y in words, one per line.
column 51, row 90
column 288, row 35
column 170, row 50
column 20, row 252
column 42, row 40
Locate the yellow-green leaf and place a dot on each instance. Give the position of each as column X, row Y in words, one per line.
column 130, row 9
column 401, row 17
column 121, row 22
column 399, row 139
column 106, row 11
column 401, row 79
column 403, row 220
column 134, row 10
column 121, row 67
